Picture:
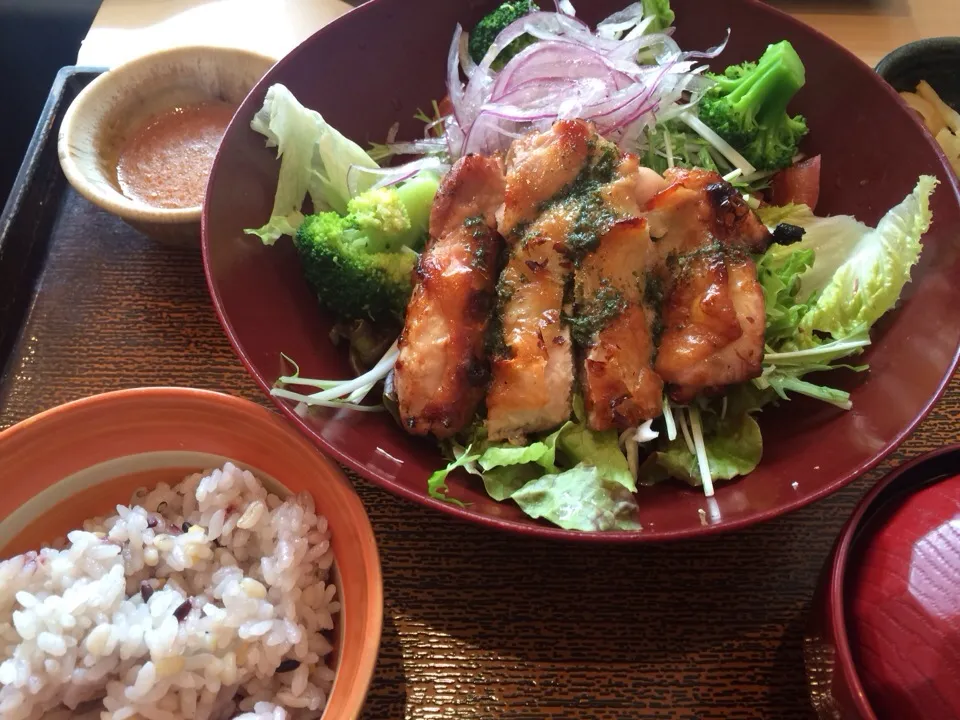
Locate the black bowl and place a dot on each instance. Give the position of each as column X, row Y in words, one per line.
column 936, row 60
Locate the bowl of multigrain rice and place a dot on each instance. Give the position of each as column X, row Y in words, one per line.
column 169, row 553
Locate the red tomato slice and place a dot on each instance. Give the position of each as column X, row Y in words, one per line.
column 797, row 184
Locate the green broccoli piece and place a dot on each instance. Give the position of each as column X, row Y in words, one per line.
column 486, row 31
column 748, row 107
column 361, row 264
column 663, row 16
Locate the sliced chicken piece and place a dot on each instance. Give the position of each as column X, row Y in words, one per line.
column 532, row 359
column 620, row 388
column 713, row 324
column 699, row 207
column 539, row 167
column 441, row 373
column 554, row 211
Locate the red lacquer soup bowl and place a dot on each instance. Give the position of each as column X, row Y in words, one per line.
column 884, row 636
column 379, row 63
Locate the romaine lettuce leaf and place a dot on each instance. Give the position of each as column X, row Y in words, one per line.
column 869, row 281
column 581, row 498
column 314, row 159
column 829, row 238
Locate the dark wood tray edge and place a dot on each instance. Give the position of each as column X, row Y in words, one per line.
column 27, row 216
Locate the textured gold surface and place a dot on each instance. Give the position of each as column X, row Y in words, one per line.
column 477, row 624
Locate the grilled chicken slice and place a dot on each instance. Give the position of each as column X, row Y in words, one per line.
column 699, row 207
column 620, row 388
column 713, row 324
column 441, row 373
column 532, row 355
column 539, row 167
column 554, row 211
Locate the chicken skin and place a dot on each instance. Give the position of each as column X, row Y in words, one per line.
column 442, row 371
column 712, row 313
column 713, row 324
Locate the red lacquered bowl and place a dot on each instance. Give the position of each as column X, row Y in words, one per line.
column 380, row 62
column 884, row 637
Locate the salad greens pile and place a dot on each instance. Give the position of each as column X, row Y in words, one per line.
column 825, row 280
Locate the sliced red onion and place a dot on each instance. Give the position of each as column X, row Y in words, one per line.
column 639, row 29
column 565, row 7
column 391, row 175
column 417, row 147
column 463, row 51
column 454, row 86
column 550, row 58
column 619, row 22
column 571, row 72
column 709, row 53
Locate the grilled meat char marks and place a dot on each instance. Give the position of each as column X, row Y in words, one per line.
column 442, row 371
column 713, row 313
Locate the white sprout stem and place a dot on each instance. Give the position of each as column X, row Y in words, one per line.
column 310, row 400
column 725, row 148
column 668, row 419
column 307, row 382
column 701, row 449
column 668, row 146
column 360, row 394
column 723, row 408
column 827, row 349
column 377, row 373
column 733, row 175
column 628, row 440
column 751, row 201
column 685, row 429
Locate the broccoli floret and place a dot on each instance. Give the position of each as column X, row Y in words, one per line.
column 486, row 31
column 748, row 107
column 361, row 264
column 663, row 16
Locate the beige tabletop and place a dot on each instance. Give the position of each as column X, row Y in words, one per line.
column 127, row 28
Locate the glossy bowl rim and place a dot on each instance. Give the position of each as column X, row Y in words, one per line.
column 81, row 106
column 373, row 612
column 543, row 531
column 838, row 570
column 940, row 42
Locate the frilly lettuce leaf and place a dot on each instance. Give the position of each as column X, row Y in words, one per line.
column 314, row 159
column 550, row 477
column 437, row 482
column 581, row 498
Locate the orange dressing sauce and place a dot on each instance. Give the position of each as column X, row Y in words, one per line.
column 166, row 163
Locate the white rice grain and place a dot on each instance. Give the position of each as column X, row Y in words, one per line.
column 181, row 605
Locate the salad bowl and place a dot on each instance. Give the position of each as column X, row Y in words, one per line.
column 268, row 309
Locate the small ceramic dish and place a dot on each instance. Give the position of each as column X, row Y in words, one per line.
column 884, row 637
column 936, row 60
column 80, row 460
column 107, row 113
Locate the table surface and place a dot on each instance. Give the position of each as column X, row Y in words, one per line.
column 478, row 624
column 126, row 28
